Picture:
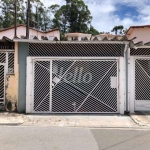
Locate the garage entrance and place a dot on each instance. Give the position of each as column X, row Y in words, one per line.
column 75, row 86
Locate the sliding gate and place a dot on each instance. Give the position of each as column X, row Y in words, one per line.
column 75, row 86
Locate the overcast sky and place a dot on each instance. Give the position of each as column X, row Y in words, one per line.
column 109, row 13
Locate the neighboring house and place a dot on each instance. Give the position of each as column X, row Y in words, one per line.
column 108, row 36
column 79, row 36
column 21, row 33
column 141, row 32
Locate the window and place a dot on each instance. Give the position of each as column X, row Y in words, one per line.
column 32, row 37
column 51, row 38
column 11, row 62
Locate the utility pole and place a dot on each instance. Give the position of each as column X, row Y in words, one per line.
column 28, row 22
column 15, row 19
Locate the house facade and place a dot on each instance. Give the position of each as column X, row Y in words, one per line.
column 100, row 76
column 142, row 33
column 21, row 33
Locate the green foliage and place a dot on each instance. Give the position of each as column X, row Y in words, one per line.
column 93, row 31
column 72, row 17
column 7, row 13
column 118, row 28
column 79, row 16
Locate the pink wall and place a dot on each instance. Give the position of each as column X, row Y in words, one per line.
column 21, row 31
column 142, row 34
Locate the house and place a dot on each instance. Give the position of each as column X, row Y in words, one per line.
column 21, row 33
column 77, row 36
column 101, row 76
column 107, row 36
column 142, row 33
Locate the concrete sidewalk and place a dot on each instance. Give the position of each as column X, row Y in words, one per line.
column 7, row 118
column 72, row 120
column 141, row 118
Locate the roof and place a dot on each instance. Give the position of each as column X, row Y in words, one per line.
column 108, row 34
column 5, row 39
column 77, row 34
column 5, row 29
column 85, row 40
column 123, row 40
column 132, row 27
column 115, row 40
column 6, row 43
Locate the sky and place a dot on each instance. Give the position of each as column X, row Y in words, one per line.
column 109, row 13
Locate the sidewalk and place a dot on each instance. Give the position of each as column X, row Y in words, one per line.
column 141, row 118
column 92, row 120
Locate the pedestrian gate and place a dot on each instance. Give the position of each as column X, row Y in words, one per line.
column 2, row 86
column 6, row 67
column 142, row 84
column 75, row 86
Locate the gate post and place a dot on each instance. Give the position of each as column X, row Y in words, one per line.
column 29, row 87
column 121, row 85
column 132, row 84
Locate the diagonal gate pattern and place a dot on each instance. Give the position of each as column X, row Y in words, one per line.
column 142, row 79
column 75, row 86
column 2, row 81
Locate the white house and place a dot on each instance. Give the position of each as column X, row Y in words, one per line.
column 21, row 33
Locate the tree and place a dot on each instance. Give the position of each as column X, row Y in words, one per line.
column 93, row 31
column 7, row 12
column 72, row 17
column 1, row 22
column 124, row 31
column 116, row 28
column 36, row 14
column 79, row 16
column 53, row 9
column 60, row 19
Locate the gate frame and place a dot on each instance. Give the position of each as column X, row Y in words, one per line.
column 120, row 85
column 132, row 100
column 4, row 64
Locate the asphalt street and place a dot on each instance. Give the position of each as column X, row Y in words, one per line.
column 66, row 138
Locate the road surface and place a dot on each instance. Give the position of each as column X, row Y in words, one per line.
column 65, row 138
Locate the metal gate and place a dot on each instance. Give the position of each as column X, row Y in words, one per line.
column 142, row 84
column 2, row 86
column 75, row 86
column 6, row 67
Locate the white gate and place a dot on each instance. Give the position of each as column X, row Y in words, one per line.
column 2, row 86
column 73, row 86
column 142, row 84
column 6, row 67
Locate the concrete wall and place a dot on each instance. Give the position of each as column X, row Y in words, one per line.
column 11, row 92
column 12, row 84
column 22, row 55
